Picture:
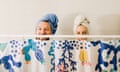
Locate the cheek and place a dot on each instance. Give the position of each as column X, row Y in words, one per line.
column 40, row 31
column 87, row 33
column 49, row 32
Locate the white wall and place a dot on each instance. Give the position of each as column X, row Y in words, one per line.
column 20, row 16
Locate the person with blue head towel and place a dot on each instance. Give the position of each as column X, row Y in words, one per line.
column 47, row 25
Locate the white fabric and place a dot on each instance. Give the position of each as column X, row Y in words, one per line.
column 80, row 19
column 82, row 52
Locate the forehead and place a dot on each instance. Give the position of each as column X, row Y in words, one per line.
column 43, row 24
column 81, row 28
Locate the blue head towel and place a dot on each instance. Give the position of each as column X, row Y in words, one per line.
column 52, row 19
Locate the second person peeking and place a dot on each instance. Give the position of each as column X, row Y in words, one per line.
column 81, row 26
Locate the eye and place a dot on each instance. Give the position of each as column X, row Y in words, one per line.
column 39, row 28
column 84, row 33
column 78, row 32
column 46, row 29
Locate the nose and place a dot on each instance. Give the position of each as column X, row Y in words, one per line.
column 42, row 32
column 81, row 33
column 81, row 38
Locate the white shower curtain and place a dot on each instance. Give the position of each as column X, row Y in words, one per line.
column 59, row 56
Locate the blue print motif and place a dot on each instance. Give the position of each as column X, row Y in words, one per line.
column 115, row 50
column 51, row 53
column 110, row 48
column 38, row 53
column 62, row 54
column 5, row 60
column 66, row 56
column 101, row 61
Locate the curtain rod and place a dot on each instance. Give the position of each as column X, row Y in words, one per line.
column 65, row 36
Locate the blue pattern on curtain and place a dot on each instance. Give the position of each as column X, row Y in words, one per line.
column 64, row 55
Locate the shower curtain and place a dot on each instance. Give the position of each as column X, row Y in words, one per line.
column 30, row 55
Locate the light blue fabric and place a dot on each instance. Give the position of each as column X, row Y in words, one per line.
column 3, row 46
column 52, row 19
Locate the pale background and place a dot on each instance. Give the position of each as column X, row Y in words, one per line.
column 20, row 16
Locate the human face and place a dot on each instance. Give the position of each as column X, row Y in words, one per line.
column 81, row 30
column 43, row 28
